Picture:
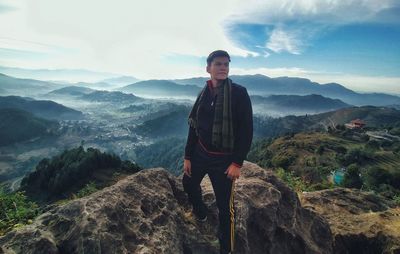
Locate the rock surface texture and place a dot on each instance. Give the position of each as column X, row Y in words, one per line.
column 148, row 213
column 360, row 222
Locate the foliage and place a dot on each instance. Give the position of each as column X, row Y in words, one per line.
column 69, row 172
column 160, row 127
column 167, row 153
column 397, row 199
column 373, row 145
column 292, row 180
column 351, row 178
column 375, row 176
column 15, row 210
column 281, row 160
column 356, row 155
column 28, row 125
column 260, row 153
column 87, row 190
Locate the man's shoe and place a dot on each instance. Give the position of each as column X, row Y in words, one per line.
column 200, row 219
column 224, row 252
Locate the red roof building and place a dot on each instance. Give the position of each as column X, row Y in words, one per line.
column 355, row 124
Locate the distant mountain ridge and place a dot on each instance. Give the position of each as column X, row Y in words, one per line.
column 372, row 116
column 173, row 124
column 123, row 80
column 262, row 85
column 56, row 74
column 298, row 102
column 18, row 125
column 41, row 108
column 161, row 87
column 16, row 86
column 72, row 90
column 255, row 84
column 116, row 97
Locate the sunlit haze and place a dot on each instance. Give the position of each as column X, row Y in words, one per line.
column 354, row 43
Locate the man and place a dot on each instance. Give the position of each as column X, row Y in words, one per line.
column 220, row 135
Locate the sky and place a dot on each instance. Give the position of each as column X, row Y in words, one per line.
column 355, row 43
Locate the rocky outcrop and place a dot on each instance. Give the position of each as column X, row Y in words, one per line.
column 361, row 222
column 147, row 213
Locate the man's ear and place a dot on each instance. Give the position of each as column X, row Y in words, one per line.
column 208, row 68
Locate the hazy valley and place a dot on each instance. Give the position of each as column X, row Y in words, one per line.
column 61, row 141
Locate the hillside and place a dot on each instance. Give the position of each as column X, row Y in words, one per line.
column 313, row 156
column 17, row 125
column 374, row 117
column 122, row 80
column 18, row 86
column 45, row 109
column 112, row 97
column 265, row 86
column 166, row 153
column 355, row 217
column 65, row 174
column 296, row 102
column 161, row 88
column 72, row 91
column 284, row 105
column 173, row 124
column 148, row 212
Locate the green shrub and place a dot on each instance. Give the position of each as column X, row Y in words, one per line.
column 293, row 181
column 87, row 190
column 397, row 199
column 375, row 176
column 351, row 178
column 387, row 191
column 281, row 161
column 15, row 210
column 320, row 150
column 356, row 155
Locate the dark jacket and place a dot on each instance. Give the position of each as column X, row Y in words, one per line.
column 242, row 117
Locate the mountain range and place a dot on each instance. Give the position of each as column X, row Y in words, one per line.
column 373, row 117
column 16, row 86
column 72, row 91
column 57, row 74
column 256, row 85
column 120, row 81
column 313, row 103
column 41, row 108
column 113, row 97
column 18, row 125
column 161, row 88
column 264, row 86
column 273, row 127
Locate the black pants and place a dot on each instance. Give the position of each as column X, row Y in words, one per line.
column 215, row 166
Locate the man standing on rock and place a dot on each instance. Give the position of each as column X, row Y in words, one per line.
column 220, row 135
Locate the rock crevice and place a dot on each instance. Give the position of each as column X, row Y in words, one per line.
column 147, row 213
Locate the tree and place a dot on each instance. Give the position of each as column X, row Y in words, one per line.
column 351, row 178
column 376, row 176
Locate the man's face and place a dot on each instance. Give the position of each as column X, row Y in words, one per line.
column 219, row 68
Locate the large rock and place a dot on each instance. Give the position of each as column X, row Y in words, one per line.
column 147, row 213
column 361, row 222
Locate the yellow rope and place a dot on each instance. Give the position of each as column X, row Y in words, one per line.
column 232, row 213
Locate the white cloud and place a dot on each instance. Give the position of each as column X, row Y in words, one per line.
column 316, row 11
column 136, row 38
column 122, row 36
column 296, row 23
column 281, row 40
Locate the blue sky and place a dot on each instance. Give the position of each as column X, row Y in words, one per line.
column 354, row 43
